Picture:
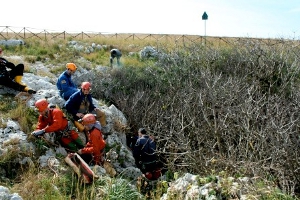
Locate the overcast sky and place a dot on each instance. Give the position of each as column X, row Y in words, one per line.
column 232, row 18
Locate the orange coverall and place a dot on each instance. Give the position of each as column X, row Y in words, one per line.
column 95, row 145
column 56, row 122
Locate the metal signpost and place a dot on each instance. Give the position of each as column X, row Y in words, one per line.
column 204, row 17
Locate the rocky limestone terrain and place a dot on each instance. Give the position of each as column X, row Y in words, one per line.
column 186, row 187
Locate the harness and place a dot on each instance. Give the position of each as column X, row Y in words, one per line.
column 65, row 132
column 61, row 133
column 84, row 106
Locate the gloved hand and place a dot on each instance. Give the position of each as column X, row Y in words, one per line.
column 38, row 133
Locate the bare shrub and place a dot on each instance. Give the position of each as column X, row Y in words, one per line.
column 214, row 109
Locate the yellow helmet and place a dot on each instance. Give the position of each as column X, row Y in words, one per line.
column 71, row 66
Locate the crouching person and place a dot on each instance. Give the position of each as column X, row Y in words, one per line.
column 53, row 124
column 81, row 103
column 93, row 151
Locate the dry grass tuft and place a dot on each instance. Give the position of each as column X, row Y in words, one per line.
column 119, row 127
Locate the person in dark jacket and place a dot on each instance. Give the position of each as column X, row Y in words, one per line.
column 81, row 103
column 144, row 152
column 64, row 84
column 12, row 78
column 115, row 53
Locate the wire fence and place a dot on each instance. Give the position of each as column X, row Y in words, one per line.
column 24, row 33
column 9, row 32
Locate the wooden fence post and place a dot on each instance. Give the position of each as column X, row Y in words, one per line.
column 157, row 39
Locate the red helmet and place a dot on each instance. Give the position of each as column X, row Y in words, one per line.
column 71, row 66
column 88, row 119
column 85, row 85
column 41, row 105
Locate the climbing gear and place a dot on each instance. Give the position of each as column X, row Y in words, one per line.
column 88, row 119
column 63, row 133
column 84, row 106
column 81, row 168
column 51, row 161
column 71, row 66
column 41, row 105
column 86, row 85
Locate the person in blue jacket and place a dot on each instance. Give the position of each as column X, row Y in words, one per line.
column 81, row 103
column 64, row 83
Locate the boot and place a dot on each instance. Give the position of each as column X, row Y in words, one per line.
column 18, row 79
column 30, row 91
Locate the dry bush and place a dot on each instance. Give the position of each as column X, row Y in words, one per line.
column 214, row 109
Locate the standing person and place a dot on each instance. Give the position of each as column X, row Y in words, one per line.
column 93, row 151
column 144, row 152
column 52, row 122
column 13, row 77
column 81, row 103
column 115, row 53
column 64, row 83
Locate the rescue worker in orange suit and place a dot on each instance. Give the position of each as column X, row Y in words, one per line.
column 81, row 103
column 13, row 78
column 93, row 151
column 53, row 121
column 64, row 84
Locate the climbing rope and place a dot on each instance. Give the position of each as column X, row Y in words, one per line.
column 51, row 164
